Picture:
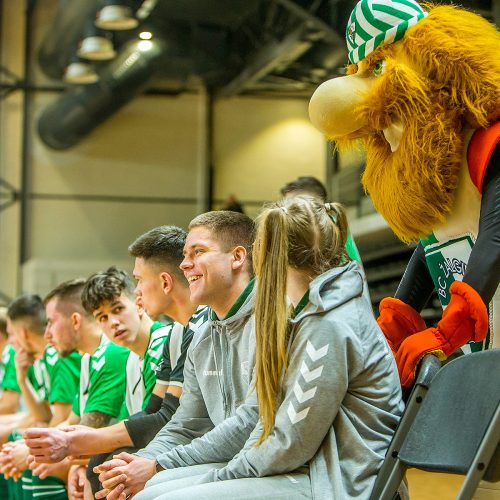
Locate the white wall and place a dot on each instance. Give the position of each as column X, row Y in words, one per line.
column 261, row 144
column 149, row 149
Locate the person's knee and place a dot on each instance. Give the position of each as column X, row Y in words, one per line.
column 92, row 477
column 158, row 478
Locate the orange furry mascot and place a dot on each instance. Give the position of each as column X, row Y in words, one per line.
column 422, row 94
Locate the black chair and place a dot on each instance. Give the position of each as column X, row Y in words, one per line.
column 457, row 429
column 391, row 473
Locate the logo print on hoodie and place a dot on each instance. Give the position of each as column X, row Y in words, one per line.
column 212, row 373
column 308, row 375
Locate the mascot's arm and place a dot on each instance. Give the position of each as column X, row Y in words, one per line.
column 466, row 317
column 399, row 316
column 483, row 268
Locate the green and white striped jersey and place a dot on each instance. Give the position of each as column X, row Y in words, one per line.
column 32, row 487
column 171, row 369
column 141, row 373
column 50, row 488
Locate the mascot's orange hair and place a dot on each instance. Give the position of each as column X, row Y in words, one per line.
column 441, row 78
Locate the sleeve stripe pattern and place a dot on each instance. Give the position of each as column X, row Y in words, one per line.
column 309, row 375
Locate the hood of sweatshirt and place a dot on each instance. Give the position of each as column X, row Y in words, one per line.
column 234, row 322
column 332, row 289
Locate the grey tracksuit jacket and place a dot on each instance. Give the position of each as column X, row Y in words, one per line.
column 341, row 400
column 207, row 427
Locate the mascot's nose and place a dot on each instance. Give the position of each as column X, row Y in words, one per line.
column 332, row 106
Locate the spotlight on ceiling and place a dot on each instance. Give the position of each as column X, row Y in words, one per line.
column 80, row 72
column 115, row 15
column 145, row 45
column 96, row 48
column 145, row 35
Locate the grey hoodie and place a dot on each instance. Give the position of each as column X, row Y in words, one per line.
column 217, row 374
column 341, row 400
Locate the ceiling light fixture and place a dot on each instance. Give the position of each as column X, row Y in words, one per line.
column 114, row 15
column 145, row 45
column 80, row 72
column 96, row 48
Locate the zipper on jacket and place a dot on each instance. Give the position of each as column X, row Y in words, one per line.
column 226, row 371
column 219, row 329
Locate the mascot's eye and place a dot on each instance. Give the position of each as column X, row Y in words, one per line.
column 378, row 69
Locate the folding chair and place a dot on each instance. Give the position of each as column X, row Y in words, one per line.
column 457, row 429
column 391, row 473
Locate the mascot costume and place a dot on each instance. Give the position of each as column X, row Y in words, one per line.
column 422, row 93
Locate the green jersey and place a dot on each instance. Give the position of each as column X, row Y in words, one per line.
column 102, row 380
column 56, row 380
column 8, row 377
column 141, row 373
column 61, row 376
column 352, row 249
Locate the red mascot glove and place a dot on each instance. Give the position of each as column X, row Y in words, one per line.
column 465, row 318
column 398, row 320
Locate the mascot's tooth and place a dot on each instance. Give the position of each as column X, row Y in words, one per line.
column 393, row 134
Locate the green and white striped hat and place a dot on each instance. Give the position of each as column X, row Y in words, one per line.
column 375, row 21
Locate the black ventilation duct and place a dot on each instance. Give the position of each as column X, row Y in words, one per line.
column 64, row 35
column 76, row 113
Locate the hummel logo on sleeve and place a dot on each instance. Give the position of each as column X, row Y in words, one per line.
column 294, row 416
column 302, row 396
column 316, row 354
column 310, row 375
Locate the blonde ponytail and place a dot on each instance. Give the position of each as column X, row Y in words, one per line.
column 271, row 312
column 299, row 233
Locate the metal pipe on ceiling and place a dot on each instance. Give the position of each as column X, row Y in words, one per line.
column 75, row 114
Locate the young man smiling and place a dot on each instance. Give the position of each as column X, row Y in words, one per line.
column 161, row 288
column 218, row 369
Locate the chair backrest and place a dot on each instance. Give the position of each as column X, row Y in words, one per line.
column 392, row 472
column 455, row 415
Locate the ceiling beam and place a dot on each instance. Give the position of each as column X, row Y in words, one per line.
column 275, row 55
column 328, row 33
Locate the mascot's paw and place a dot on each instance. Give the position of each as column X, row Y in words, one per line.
column 413, row 349
column 464, row 319
column 398, row 321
